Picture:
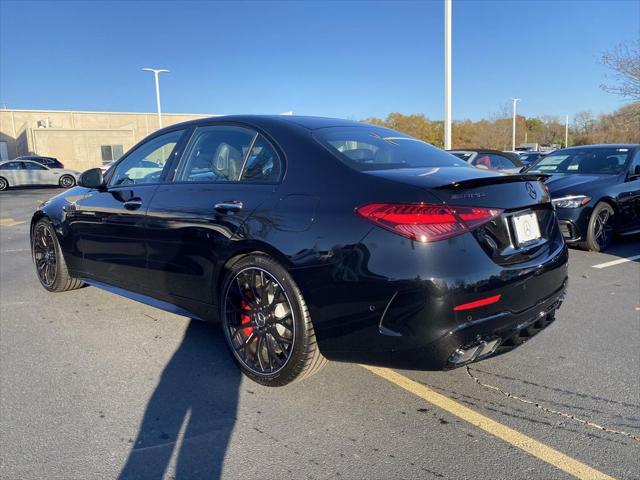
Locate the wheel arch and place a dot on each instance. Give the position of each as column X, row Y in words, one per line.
column 37, row 216
column 612, row 203
column 253, row 248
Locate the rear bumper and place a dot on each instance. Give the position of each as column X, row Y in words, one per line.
column 500, row 332
column 396, row 305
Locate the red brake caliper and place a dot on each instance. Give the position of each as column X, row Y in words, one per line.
column 244, row 318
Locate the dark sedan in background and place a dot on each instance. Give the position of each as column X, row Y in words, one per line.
column 596, row 192
column 312, row 238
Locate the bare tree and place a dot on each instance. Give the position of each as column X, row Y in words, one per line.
column 624, row 62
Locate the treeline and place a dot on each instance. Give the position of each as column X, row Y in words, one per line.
column 621, row 126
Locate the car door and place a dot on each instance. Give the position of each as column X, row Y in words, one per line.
column 36, row 174
column 107, row 225
column 226, row 173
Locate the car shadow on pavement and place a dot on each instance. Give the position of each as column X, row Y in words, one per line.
column 624, row 246
column 191, row 413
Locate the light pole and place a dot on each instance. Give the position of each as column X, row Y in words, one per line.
column 566, row 131
column 156, row 74
column 447, row 74
column 513, row 136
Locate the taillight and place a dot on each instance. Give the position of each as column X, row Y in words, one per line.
column 425, row 222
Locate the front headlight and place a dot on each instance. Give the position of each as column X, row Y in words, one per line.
column 572, row 201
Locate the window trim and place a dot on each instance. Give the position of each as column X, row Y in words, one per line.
column 177, row 152
column 256, row 133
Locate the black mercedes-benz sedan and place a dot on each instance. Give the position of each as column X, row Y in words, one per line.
column 312, row 238
column 596, row 192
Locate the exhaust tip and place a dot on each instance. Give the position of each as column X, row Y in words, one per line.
column 469, row 354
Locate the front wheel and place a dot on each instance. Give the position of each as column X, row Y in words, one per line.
column 3, row 184
column 600, row 228
column 50, row 265
column 67, row 181
column 266, row 323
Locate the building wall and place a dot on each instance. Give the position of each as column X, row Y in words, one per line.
column 75, row 138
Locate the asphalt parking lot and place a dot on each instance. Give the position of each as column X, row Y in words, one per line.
column 93, row 385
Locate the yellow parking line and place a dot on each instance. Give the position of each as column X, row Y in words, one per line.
column 9, row 222
column 513, row 437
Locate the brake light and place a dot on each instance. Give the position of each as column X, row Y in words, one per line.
column 425, row 222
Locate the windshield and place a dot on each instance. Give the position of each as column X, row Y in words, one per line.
column 583, row 161
column 374, row 148
column 529, row 157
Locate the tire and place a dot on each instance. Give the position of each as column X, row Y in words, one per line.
column 267, row 324
column 66, row 181
column 4, row 184
column 50, row 265
column 600, row 228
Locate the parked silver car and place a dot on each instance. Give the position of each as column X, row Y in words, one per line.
column 26, row 172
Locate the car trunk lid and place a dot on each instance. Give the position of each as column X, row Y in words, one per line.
column 518, row 195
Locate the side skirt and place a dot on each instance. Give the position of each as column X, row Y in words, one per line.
column 138, row 297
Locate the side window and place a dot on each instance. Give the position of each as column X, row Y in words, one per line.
column 263, row 164
column 145, row 163
column 33, row 166
column 634, row 166
column 216, row 154
column 11, row 166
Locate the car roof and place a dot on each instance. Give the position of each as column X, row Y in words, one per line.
column 603, row 145
column 18, row 159
column 310, row 123
column 479, row 150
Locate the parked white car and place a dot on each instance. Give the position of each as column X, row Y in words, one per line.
column 14, row 173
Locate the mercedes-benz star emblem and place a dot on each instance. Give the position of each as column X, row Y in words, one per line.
column 531, row 190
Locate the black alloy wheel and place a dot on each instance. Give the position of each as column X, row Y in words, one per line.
column 600, row 229
column 44, row 254
column 266, row 323
column 50, row 265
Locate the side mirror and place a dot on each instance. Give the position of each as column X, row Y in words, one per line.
column 92, row 178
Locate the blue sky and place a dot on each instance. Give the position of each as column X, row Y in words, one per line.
column 344, row 59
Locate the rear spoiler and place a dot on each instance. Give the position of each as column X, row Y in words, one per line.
column 483, row 181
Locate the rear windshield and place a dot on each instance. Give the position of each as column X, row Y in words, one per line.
column 583, row 160
column 463, row 155
column 374, row 148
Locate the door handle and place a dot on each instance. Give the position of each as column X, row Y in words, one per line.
column 229, row 206
column 133, row 204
